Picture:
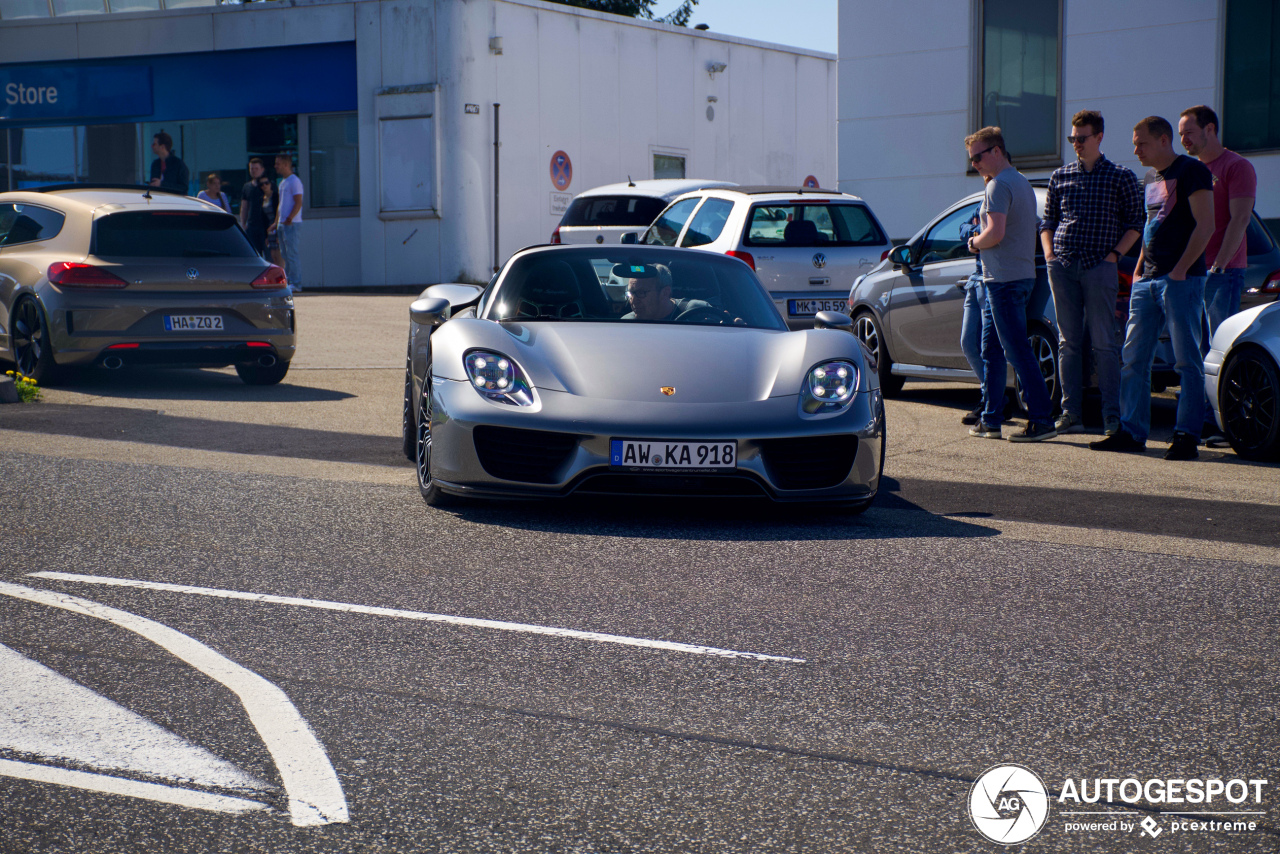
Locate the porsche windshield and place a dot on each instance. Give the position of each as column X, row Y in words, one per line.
column 626, row 284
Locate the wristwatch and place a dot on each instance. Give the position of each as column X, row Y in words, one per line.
column 1215, row 269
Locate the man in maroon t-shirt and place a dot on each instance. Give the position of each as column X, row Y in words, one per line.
column 1235, row 185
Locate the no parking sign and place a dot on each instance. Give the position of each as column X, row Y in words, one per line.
column 811, row 182
column 561, row 170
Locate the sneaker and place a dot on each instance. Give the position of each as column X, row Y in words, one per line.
column 973, row 417
column 985, row 431
column 1034, row 433
column 1183, row 447
column 1119, row 441
column 1068, row 423
column 1111, row 425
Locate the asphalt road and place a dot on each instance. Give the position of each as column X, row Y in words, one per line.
column 733, row 677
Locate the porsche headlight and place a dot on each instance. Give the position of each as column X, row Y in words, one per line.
column 829, row 387
column 497, row 378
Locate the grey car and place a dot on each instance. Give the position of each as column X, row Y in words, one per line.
column 111, row 276
column 543, row 385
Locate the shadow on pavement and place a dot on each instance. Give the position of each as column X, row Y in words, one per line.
column 189, row 384
column 128, row 424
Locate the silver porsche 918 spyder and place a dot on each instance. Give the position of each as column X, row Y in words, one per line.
column 635, row 370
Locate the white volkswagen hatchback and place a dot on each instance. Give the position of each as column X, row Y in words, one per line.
column 807, row 245
column 604, row 214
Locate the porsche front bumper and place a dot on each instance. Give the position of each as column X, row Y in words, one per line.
column 477, row 449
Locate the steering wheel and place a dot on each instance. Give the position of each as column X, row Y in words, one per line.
column 704, row 313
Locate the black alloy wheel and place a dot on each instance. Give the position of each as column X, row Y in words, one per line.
column 431, row 491
column 32, row 349
column 1249, row 401
column 867, row 330
column 1044, row 346
column 408, row 428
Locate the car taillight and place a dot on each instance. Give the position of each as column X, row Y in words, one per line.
column 272, row 277
column 73, row 274
column 555, row 235
column 744, row 257
column 1271, row 285
column 884, row 254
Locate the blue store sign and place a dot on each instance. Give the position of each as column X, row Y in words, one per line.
column 43, row 92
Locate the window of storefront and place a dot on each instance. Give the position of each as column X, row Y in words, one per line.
column 1250, row 81
column 333, row 161
column 1019, row 69
column 668, row 165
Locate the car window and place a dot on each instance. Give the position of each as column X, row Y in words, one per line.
column 170, row 234
column 1257, row 238
column 949, row 237
column 25, row 223
column 667, row 227
column 568, row 286
column 708, row 222
column 613, row 210
column 832, row 224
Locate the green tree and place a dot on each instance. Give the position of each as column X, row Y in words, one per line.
column 636, row 9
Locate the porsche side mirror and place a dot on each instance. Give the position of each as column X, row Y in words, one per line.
column 900, row 256
column 429, row 311
column 629, row 237
column 833, row 320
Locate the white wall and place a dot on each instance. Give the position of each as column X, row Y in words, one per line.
column 907, row 89
column 608, row 91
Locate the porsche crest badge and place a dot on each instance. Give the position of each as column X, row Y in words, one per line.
column 668, row 390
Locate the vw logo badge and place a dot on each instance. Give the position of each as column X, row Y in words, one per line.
column 599, row 238
column 819, row 260
column 192, row 273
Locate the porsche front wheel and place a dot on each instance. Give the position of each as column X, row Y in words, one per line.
column 431, row 491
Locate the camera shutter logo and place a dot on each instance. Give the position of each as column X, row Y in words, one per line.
column 1008, row 804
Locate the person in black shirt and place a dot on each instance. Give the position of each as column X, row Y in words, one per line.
column 168, row 170
column 1178, row 192
column 252, row 217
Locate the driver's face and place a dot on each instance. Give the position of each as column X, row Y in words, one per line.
column 647, row 300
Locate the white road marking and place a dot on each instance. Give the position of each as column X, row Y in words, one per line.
column 44, row 714
column 315, row 795
column 130, row 788
column 415, row 615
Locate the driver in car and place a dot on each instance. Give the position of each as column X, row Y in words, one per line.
column 649, row 293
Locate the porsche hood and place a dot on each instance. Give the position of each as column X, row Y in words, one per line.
column 649, row 362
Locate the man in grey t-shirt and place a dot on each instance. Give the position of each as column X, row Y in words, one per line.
column 1008, row 246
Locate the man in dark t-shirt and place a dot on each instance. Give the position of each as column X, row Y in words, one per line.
column 168, row 170
column 1178, row 192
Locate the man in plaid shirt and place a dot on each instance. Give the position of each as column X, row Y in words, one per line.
column 1092, row 215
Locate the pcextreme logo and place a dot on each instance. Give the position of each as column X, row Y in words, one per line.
column 1008, row 804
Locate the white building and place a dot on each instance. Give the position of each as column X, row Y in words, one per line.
column 917, row 76
column 390, row 107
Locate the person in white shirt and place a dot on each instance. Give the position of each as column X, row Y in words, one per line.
column 288, row 224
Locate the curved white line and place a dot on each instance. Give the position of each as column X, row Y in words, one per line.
column 315, row 795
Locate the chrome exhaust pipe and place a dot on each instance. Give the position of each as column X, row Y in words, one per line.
column 113, row 363
column 267, row 360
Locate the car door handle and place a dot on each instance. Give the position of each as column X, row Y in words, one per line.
column 820, row 282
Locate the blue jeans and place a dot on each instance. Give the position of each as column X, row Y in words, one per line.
column 1086, row 299
column 290, row 250
column 1004, row 336
column 1152, row 303
column 975, row 299
column 1222, row 296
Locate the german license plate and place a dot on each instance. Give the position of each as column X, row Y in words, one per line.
column 663, row 456
column 193, row 322
column 810, row 307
